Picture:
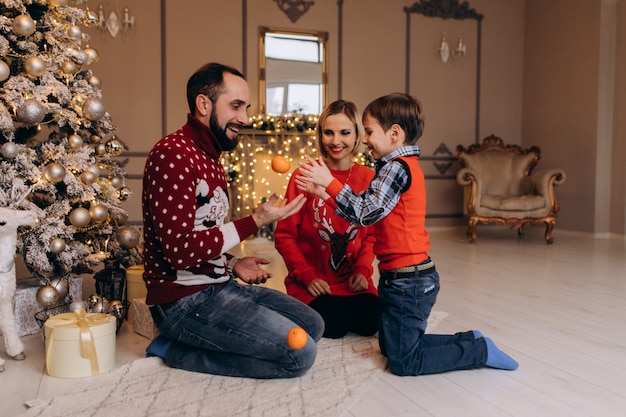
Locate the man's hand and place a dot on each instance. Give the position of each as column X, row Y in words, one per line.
column 248, row 270
column 268, row 213
column 318, row 287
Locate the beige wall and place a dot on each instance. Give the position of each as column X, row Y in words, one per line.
column 539, row 81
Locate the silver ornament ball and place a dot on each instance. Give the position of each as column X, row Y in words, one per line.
column 94, row 81
column 93, row 109
column 116, row 181
column 54, row 172
column 93, row 300
column 47, row 296
column 79, row 217
column 24, row 25
column 69, row 67
column 101, row 149
column 124, row 193
column 74, row 32
column 9, row 150
column 116, row 308
column 95, row 169
column 31, row 111
column 128, row 237
column 35, row 66
column 57, row 245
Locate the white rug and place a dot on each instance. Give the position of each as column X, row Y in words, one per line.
column 146, row 387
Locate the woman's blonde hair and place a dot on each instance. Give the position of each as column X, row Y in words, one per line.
column 340, row 107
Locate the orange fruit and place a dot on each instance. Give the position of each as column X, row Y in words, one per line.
column 297, row 337
column 280, row 164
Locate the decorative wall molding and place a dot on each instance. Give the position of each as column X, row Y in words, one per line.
column 294, row 9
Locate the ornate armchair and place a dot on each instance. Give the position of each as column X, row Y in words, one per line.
column 499, row 186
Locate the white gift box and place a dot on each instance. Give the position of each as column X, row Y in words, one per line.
column 80, row 344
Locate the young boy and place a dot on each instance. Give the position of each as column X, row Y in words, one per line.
column 395, row 203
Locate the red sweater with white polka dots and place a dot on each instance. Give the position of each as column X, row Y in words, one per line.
column 185, row 203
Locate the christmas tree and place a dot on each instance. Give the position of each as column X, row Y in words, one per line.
column 58, row 145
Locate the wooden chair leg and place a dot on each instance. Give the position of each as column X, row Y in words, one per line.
column 471, row 231
column 549, row 227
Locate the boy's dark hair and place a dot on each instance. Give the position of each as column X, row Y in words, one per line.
column 401, row 109
column 208, row 80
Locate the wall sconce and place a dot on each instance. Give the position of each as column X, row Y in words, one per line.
column 113, row 24
column 445, row 52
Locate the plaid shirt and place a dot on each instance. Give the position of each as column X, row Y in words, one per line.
column 376, row 202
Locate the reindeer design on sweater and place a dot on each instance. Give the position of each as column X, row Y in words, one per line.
column 338, row 241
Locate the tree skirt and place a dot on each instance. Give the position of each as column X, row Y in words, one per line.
column 146, row 387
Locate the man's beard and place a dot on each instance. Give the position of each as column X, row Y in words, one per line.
column 224, row 141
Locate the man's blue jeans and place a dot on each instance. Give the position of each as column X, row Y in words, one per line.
column 239, row 330
column 406, row 300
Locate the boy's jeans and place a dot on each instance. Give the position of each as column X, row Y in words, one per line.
column 238, row 330
column 406, row 299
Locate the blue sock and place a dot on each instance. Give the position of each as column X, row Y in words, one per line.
column 498, row 359
column 158, row 347
column 477, row 334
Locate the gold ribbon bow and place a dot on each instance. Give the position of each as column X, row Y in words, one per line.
column 84, row 321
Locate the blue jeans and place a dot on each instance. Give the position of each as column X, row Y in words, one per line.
column 406, row 300
column 239, row 330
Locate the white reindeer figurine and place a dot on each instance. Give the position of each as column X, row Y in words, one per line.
column 10, row 220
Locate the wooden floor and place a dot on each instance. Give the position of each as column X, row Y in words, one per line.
column 559, row 310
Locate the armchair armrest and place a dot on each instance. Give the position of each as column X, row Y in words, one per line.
column 470, row 180
column 541, row 182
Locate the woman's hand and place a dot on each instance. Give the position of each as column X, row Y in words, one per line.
column 315, row 172
column 318, row 287
column 358, row 282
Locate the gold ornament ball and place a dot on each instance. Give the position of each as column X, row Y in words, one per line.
column 92, row 55
column 95, row 169
column 57, row 3
column 75, row 141
column 98, row 213
column 101, row 149
column 79, row 217
column 57, row 245
column 47, row 296
column 128, row 236
column 9, row 150
column 114, row 147
column 35, row 66
column 93, row 109
column 88, row 177
column 31, row 111
column 5, row 71
column 54, row 172
column 94, row 81
column 116, row 181
column 24, row 25
column 74, row 32
column 62, row 286
column 69, row 67
column 124, row 193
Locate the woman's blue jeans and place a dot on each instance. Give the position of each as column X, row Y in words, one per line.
column 239, row 330
column 406, row 300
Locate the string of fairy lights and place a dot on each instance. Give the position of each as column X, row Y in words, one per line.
column 248, row 167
